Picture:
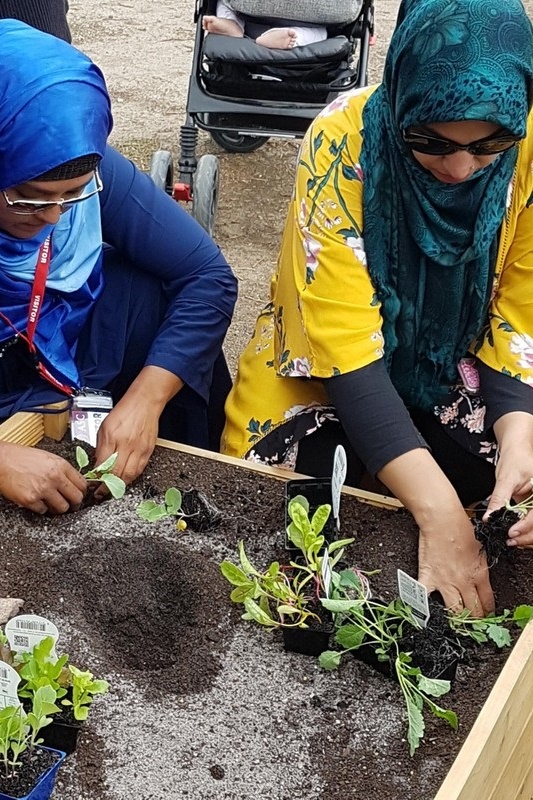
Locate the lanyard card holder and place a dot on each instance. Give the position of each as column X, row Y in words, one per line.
column 89, row 409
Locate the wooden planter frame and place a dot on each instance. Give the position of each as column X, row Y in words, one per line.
column 495, row 760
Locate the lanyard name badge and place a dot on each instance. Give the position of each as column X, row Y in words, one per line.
column 89, row 406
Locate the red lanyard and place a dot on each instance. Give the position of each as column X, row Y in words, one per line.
column 36, row 302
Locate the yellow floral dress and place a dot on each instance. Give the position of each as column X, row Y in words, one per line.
column 324, row 317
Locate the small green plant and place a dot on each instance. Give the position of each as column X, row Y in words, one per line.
column 279, row 596
column 38, row 668
column 19, row 731
column 102, row 473
column 361, row 620
column 151, row 511
column 84, row 687
column 73, row 688
column 492, row 628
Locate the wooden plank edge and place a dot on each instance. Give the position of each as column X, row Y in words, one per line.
column 23, row 428
column 371, row 498
column 467, row 777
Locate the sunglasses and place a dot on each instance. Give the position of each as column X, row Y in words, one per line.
column 435, row 146
column 26, row 207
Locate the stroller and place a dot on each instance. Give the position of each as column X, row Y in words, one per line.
column 243, row 93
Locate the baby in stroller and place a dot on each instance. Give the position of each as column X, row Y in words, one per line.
column 229, row 23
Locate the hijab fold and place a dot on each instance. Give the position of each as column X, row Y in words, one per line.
column 431, row 247
column 54, row 108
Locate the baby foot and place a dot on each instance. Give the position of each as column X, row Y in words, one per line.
column 278, row 38
column 225, row 27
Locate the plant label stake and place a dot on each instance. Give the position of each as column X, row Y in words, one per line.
column 337, row 481
column 326, row 573
column 27, row 630
column 414, row 594
column 9, row 681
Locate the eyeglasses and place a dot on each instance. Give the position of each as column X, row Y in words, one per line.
column 435, row 146
column 26, row 207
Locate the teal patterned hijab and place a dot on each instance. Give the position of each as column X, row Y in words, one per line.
column 431, row 247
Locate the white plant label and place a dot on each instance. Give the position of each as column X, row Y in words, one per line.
column 337, row 480
column 414, row 594
column 27, row 630
column 326, row 573
column 9, row 681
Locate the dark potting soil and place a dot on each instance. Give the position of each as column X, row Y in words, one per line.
column 33, row 765
column 493, row 534
column 147, row 608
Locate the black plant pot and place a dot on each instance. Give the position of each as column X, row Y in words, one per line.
column 317, row 491
column 311, row 641
column 61, row 735
column 436, row 650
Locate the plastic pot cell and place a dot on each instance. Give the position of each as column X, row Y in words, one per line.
column 43, row 788
column 317, row 492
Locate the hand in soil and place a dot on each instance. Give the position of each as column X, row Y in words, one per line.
column 38, row 480
column 450, row 562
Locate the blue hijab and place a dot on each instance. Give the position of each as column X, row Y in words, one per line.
column 431, row 247
column 54, row 107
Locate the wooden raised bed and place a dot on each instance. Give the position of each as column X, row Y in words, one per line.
column 494, row 762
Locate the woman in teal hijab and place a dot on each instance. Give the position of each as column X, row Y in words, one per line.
column 401, row 321
column 448, row 62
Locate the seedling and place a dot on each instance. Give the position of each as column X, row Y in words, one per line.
column 40, row 668
column 84, row 687
column 281, row 597
column 151, row 511
column 19, row 731
column 492, row 628
column 360, row 621
column 102, row 473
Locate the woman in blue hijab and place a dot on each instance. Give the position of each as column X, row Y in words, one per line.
column 403, row 300
column 143, row 315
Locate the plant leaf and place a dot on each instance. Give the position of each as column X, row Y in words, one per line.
column 173, row 499
column 329, row 659
column 320, row 517
column 258, row 614
column 234, row 574
column 340, row 606
column 108, row 464
column 522, row 615
column 350, row 637
column 415, row 725
column 82, row 458
column 336, row 545
column 499, row 635
column 435, row 687
column 116, row 485
column 246, row 564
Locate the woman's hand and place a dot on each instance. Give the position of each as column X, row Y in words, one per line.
column 38, row 480
column 130, row 429
column 449, row 557
column 451, row 562
column 514, row 472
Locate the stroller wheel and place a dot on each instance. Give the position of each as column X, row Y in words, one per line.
column 162, row 170
column 205, row 192
column 237, row 142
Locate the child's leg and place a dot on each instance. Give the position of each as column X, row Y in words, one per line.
column 226, row 22
column 285, row 38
